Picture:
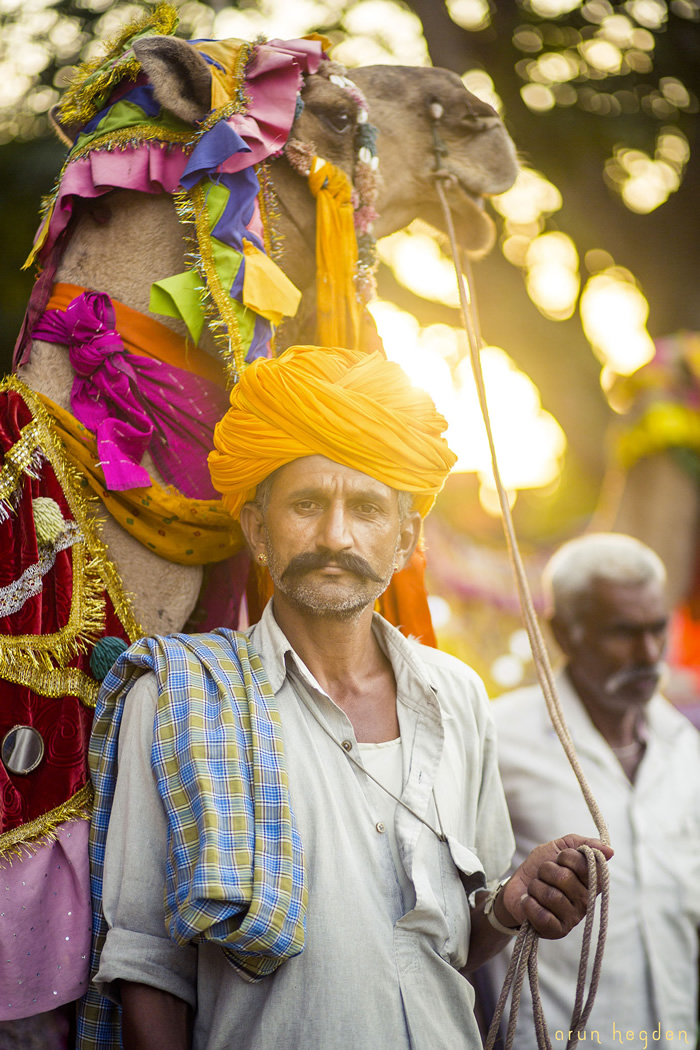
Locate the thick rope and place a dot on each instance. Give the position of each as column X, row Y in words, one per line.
column 524, row 955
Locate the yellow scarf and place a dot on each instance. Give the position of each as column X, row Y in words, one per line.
column 338, row 310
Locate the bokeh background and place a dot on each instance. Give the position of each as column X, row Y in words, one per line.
column 595, row 258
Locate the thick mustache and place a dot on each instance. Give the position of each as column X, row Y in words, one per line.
column 304, row 563
column 634, row 674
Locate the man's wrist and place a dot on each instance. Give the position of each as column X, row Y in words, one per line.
column 497, row 914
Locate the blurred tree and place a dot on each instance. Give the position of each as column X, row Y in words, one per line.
column 600, row 97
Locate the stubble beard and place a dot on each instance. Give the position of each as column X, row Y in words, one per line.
column 319, row 601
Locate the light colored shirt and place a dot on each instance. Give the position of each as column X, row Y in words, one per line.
column 649, row 978
column 373, row 974
column 385, row 763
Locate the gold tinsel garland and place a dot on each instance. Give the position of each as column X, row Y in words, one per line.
column 218, row 306
column 27, row 839
column 91, row 80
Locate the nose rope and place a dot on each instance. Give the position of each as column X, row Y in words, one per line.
column 524, row 957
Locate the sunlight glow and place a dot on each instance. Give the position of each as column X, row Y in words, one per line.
column 552, row 279
column 470, row 14
column 480, row 84
column 649, row 13
column 549, row 259
column 614, row 314
column 602, row 54
column 554, row 8
column 419, row 265
column 644, row 182
column 530, row 197
column 529, row 441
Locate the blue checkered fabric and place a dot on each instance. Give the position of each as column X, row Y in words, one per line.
column 234, row 866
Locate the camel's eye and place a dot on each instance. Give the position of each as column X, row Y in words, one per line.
column 338, row 119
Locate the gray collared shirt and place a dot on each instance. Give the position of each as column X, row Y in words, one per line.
column 372, row 975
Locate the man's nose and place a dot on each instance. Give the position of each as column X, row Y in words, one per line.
column 650, row 647
column 334, row 532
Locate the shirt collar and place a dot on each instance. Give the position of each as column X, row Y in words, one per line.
column 413, row 686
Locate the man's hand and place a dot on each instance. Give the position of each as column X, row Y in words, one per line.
column 550, row 888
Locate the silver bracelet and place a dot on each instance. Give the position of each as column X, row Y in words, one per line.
column 508, row 931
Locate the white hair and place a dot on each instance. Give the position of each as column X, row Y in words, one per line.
column 611, row 556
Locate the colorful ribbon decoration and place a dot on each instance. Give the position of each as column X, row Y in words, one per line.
column 133, row 404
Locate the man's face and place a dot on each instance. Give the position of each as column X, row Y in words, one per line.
column 615, row 649
column 332, row 536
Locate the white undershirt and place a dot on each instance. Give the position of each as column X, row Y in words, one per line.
column 385, row 762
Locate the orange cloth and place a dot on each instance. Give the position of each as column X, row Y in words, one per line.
column 337, row 308
column 148, row 338
column 354, row 408
column 405, row 602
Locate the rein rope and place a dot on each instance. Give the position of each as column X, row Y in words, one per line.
column 524, row 957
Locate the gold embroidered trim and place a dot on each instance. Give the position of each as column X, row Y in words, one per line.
column 60, row 681
column 270, row 216
column 22, row 842
column 90, row 80
column 240, row 100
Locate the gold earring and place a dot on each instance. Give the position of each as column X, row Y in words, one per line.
column 262, row 558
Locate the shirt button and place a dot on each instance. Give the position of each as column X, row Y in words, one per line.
column 380, row 827
column 347, row 745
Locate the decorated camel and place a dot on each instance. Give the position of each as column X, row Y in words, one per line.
column 219, row 203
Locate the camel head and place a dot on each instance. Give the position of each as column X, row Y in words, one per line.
column 413, row 108
column 222, row 107
column 410, row 105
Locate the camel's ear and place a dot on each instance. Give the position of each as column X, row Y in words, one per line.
column 180, row 76
column 67, row 133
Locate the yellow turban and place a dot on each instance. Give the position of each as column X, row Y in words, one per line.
column 355, row 408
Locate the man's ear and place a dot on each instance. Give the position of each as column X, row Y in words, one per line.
column 252, row 522
column 409, row 538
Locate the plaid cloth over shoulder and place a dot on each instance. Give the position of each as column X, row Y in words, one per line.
column 238, row 879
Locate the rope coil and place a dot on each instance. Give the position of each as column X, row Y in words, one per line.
column 524, row 957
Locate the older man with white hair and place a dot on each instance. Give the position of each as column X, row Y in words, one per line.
column 642, row 760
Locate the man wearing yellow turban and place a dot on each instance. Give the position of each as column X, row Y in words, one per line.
column 328, row 458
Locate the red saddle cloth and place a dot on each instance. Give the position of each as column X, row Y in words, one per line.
column 59, row 598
